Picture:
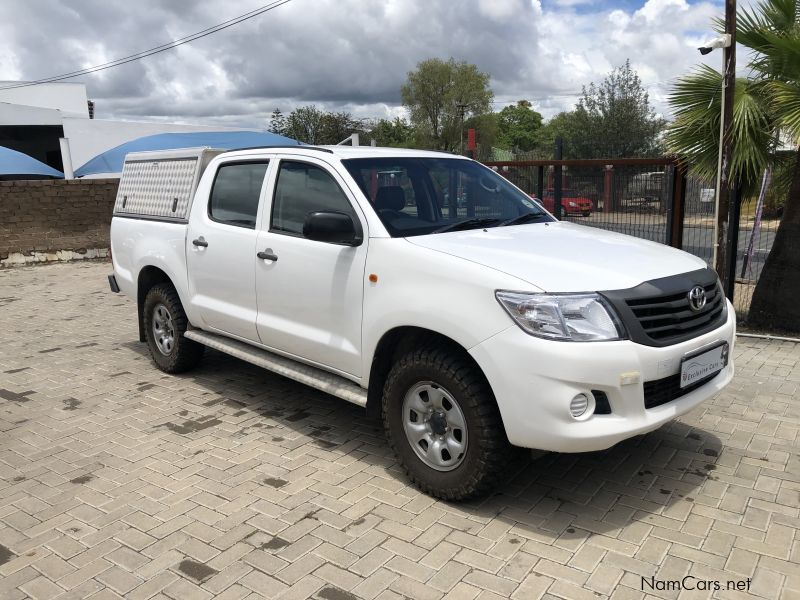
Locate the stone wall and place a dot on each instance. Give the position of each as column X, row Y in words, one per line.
column 51, row 220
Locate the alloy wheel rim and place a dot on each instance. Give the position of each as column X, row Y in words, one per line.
column 163, row 329
column 435, row 426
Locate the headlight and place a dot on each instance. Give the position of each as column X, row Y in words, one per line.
column 573, row 318
column 573, row 204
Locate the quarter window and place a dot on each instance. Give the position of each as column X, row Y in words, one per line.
column 235, row 194
column 303, row 188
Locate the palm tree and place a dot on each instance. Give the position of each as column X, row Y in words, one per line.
column 766, row 105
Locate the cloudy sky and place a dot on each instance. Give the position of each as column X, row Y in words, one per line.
column 344, row 54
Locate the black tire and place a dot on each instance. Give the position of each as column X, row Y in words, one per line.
column 488, row 452
column 184, row 353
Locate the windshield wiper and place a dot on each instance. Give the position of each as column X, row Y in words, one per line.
column 466, row 224
column 523, row 218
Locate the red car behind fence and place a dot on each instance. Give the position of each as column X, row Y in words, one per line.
column 573, row 203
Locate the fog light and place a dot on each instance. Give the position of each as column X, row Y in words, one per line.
column 579, row 405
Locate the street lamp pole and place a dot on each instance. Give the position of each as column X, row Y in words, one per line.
column 718, row 184
column 724, row 185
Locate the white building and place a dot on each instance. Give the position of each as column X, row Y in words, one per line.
column 34, row 118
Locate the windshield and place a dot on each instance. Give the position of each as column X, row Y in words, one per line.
column 417, row 196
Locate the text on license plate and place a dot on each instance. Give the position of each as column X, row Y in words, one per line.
column 701, row 366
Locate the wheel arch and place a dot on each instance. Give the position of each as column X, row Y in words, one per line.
column 393, row 344
column 149, row 276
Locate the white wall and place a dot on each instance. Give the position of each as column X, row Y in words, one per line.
column 90, row 137
column 69, row 98
column 66, row 104
column 15, row 114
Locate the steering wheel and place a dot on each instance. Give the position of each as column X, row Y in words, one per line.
column 491, row 189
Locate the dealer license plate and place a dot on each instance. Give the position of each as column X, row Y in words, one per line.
column 701, row 366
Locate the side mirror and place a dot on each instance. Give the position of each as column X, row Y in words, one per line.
column 332, row 227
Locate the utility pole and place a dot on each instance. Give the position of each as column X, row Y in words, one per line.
column 725, row 188
column 461, row 110
column 557, row 181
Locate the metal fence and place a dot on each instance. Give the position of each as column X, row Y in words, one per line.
column 757, row 229
column 650, row 198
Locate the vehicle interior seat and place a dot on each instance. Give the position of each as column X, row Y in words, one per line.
column 390, row 200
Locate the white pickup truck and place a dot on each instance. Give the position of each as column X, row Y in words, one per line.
column 424, row 287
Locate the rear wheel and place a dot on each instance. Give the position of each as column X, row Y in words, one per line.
column 442, row 421
column 165, row 323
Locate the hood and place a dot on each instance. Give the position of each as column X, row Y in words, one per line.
column 563, row 257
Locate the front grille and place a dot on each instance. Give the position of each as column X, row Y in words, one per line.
column 657, row 313
column 662, row 391
column 665, row 317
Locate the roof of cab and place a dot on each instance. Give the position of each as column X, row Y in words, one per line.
column 345, row 152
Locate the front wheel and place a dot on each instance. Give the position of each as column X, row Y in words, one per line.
column 442, row 421
column 165, row 323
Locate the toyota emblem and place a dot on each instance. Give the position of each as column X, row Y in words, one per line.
column 697, row 298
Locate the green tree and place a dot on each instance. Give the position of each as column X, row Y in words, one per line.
column 612, row 119
column 304, row 124
column 338, row 126
column 615, row 119
column 766, row 103
column 277, row 122
column 397, row 133
column 486, row 128
column 518, row 125
column 441, row 96
column 311, row 125
column 565, row 125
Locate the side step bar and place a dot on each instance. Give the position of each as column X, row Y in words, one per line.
column 311, row 376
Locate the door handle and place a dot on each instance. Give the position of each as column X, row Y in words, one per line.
column 200, row 242
column 267, row 256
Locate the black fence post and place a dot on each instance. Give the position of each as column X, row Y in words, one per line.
column 540, row 182
column 673, row 173
column 732, row 243
column 557, row 178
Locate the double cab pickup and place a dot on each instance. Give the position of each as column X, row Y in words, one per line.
column 427, row 289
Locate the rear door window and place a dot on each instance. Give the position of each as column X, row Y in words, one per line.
column 236, row 192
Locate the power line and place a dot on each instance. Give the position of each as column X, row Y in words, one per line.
column 545, row 96
column 157, row 49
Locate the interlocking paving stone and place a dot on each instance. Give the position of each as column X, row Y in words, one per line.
column 231, row 482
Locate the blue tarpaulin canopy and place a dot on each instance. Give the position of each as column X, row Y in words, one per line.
column 18, row 164
column 111, row 161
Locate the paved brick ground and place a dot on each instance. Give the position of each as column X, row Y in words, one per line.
column 116, row 480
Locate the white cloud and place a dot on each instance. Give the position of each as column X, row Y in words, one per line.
column 570, row 3
column 658, row 38
column 655, row 10
column 344, row 54
column 501, row 10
